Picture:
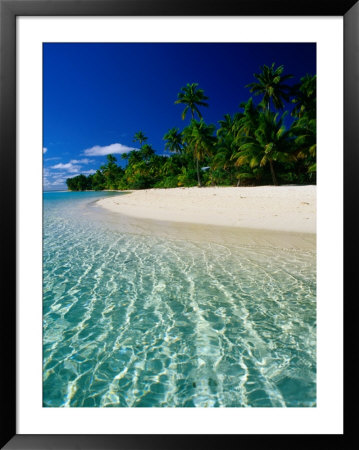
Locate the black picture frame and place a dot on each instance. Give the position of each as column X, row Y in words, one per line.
column 9, row 10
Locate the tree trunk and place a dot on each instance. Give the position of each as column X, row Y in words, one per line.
column 198, row 177
column 275, row 182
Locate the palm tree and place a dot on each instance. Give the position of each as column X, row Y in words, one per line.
column 271, row 142
column 271, row 85
column 200, row 139
column 146, row 152
column 170, row 167
column 140, row 137
column 304, row 129
column 221, row 161
column 98, row 181
column 248, row 122
column 133, row 157
column 305, row 132
column 174, row 140
column 110, row 171
column 305, row 143
column 227, row 125
column 305, row 96
column 192, row 97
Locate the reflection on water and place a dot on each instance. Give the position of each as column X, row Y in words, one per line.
column 207, row 318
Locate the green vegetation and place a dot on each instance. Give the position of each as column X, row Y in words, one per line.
column 249, row 148
column 140, row 137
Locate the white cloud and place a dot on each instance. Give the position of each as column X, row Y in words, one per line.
column 82, row 161
column 54, row 158
column 56, row 182
column 69, row 167
column 83, row 172
column 44, row 149
column 54, row 179
column 73, row 166
column 55, row 176
column 116, row 148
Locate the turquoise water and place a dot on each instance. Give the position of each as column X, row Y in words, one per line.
column 135, row 319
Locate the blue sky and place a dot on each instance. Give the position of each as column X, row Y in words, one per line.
column 97, row 96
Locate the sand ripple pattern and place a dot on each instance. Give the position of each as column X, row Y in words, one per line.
column 143, row 321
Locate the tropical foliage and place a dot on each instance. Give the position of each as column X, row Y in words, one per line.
column 272, row 141
column 271, row 85
column 140, row 137
column 191, row 97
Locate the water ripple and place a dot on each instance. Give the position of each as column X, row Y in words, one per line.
column 142, row 321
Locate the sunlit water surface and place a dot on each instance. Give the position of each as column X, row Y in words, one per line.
column 136, row 319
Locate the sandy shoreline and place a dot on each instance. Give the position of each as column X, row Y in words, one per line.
column 278, row 208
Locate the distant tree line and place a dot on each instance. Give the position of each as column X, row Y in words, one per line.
column 251, row 147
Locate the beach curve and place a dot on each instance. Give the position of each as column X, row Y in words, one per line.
column 279, row 208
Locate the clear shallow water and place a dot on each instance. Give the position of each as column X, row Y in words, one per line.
column 141, row 320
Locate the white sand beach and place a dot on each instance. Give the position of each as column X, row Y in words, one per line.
column 280, row 208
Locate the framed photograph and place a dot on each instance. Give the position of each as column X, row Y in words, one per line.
column 174, row 189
